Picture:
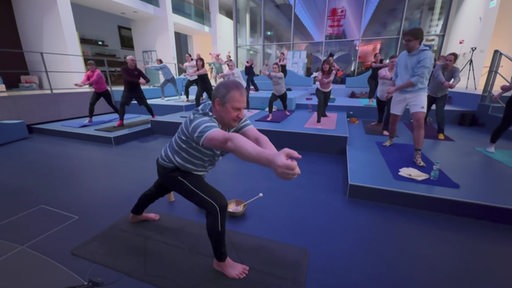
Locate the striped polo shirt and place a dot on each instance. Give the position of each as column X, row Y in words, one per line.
column 186, row 150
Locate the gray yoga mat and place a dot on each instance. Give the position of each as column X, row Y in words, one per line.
column 175, row 252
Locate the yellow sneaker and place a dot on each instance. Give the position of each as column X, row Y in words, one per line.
column 440, row 136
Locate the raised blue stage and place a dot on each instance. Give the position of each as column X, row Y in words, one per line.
column 482, row 193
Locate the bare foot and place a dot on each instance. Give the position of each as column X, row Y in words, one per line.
column 286, row 112
column 231, row 268
column 269, row 117
column 144, row 217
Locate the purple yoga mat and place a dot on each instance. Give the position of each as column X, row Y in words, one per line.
column 277, row 116
column 400, row 155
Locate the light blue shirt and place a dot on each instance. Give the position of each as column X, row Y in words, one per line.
column 166, row 72
column 415, row 67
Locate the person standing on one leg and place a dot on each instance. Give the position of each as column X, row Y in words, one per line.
column 216, row 128
column 133, row 77
column 413, row 68
column 373, row 79
column 323, row 89
column 506, row 120
column 445, row 76
column 190, row 68
column 93, row 77
column 167, row 74
column 249, row 72
column 383, row 98
column 278, row 89
column 281, row 61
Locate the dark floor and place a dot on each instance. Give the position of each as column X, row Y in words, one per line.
column 57, row 192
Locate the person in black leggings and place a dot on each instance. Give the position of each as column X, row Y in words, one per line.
column 216, row 127
column 133, row 77
column 506, row 120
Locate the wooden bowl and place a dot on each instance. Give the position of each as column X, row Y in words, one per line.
column 236, row 207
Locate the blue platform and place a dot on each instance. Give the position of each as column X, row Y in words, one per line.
column 12, row 130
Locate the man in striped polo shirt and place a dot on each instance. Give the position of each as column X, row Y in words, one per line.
column 212, row 130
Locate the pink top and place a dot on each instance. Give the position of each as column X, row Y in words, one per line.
column 96, row 80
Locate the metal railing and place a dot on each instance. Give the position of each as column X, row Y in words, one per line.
column 499, row 73
column 57, row 71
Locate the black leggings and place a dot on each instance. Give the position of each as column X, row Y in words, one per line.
column 323, row 100
column 383, row 112
column 195, row 189
column 200, row 90
column 440, row 103
column 273, row 98
column 372, row 84
column 506, row 122
column 96, row 96
column 126, row 100
column 189, row 84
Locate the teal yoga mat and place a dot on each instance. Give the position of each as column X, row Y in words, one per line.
column 504, row 156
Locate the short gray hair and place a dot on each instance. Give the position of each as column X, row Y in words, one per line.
column 224, row 89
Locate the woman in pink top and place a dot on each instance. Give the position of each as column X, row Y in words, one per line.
column 93, row 77
column 323, row 90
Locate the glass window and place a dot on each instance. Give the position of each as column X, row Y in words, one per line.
column 435, row 42
column 367, row 49
column 277, row 16
column 271, row 52
column 345, row 55
column 314, row 55
column 382, row 18
column 430, row 15
column 249, row 22
column 343, row 19
column 309, row 20
column 250, row 52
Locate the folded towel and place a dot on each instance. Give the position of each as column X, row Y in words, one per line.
column 413, row 173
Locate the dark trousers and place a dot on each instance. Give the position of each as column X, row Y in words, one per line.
column 383, row 112
column 189, row 84
column 127, row 99
column 506, row 122
column 372, row 84
column 440, row 103
column 195, row 189
column 200, row 90
column 250, row 81
column 173, row 83
column 96, row 96
column 323, row 100
column 273, row 98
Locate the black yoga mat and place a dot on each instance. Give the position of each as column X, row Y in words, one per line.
column 175, row 252
column 125, row 126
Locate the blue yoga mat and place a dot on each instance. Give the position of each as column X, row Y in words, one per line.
column 97, row 120
column 504, row 156
column 400, row 155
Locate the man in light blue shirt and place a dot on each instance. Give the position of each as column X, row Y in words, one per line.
column 167, row 74
column 413, row 69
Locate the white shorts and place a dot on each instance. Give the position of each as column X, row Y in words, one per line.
column 416, row 102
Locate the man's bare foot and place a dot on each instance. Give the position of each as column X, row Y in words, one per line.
column 286, row 112
column 144, row 217
column 231, row 268
column 269, row 117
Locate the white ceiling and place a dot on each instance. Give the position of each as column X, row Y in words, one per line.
column 114, row 7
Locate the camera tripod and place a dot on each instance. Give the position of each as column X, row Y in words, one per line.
column 471, row 68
